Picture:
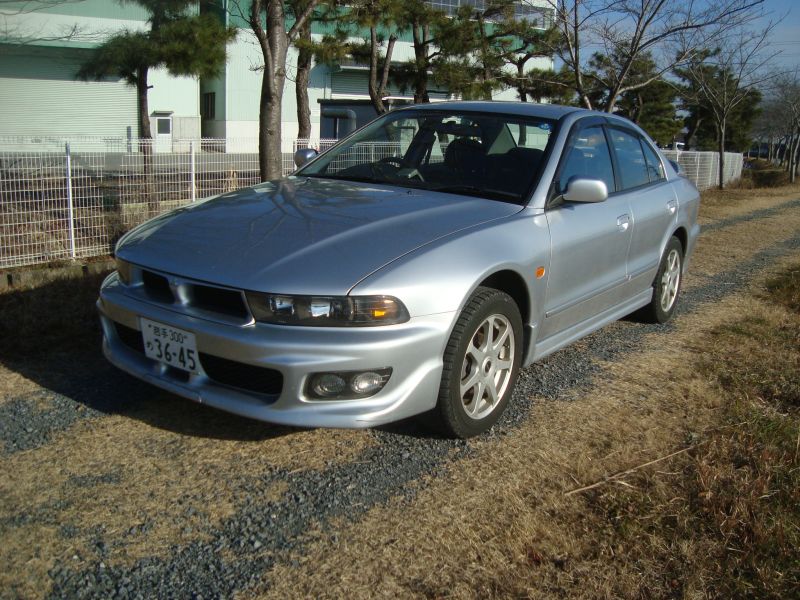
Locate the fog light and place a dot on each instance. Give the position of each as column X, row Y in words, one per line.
column 347, row 385
column 366, row 383
column 328, row 385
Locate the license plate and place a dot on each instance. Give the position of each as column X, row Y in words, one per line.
column 170, row 345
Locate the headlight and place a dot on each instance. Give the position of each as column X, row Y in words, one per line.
column 327, row 311
column 124, row 271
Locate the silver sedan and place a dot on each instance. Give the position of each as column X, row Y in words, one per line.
column 413, row 268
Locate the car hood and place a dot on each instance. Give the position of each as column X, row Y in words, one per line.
column 301, row 235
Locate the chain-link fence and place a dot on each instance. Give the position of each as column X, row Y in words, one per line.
column 62, row 200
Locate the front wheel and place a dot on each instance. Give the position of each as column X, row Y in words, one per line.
column 481, row 363
column 667, row 284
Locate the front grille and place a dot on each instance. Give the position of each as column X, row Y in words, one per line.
column 239, row 375
column 132, row 338
column 259, row 380
column 208, row 298
column 219, row 300
column 157, row 287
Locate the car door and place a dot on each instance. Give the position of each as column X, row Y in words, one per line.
column 653, row 204
column 589, row 241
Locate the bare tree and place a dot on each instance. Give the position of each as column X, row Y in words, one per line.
column 728, row 77
column 572, row 19
column 770, row 127
column 267, row 19
column 671, row 31
column 785, row 92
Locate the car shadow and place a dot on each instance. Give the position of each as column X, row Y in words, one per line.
column 51, row 336
column 413, row 427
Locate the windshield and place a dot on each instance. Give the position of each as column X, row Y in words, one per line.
column 487, row 155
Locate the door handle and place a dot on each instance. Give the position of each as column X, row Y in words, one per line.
column 672, row 206
column 623, row 222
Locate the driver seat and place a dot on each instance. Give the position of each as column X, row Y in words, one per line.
column 466, row 156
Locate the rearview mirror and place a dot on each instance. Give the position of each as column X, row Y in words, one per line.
column 586, row 190
column 303, row 155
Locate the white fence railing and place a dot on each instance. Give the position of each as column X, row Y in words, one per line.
column 62, row 200
column 703, row 167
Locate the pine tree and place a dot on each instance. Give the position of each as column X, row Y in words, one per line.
column 185, row 44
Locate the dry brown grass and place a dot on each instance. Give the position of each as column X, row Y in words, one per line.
column 785, row 288
column 501, row 525
column 722, row 249
column 731, row 202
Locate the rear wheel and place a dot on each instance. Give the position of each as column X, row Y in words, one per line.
column 667, row 284
column 481, row 363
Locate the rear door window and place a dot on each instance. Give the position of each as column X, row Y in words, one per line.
column 630, row 159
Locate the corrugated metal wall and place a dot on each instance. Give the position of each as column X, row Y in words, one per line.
column 40, row 96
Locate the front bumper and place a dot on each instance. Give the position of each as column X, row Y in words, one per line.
column 413, row 350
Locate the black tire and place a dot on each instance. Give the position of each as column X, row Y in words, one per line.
column 660, row 311
column 488, row 312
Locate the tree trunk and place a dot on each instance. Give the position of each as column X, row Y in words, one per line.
column 301, row 86
column 274, row 43
column 141, row 98
column 376, row 88
column 146, row 140
column 270, row 157
column 611, row 103
column 782, row 149
column 421, row 64
column 694, row 127
column 522, row 92
column 721, row 137
column 638, row 108
column 794, row 155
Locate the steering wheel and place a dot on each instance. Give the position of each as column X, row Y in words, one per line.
column 399, row 163
column 392, row 160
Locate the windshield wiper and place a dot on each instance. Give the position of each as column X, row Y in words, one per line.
column 474, row 190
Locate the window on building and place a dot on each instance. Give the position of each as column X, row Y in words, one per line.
column 164, row 125
column 209, row 105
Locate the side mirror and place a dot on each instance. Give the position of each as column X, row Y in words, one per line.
column 303, row 155
column 586, row 190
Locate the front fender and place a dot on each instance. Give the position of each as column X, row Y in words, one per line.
column 440, row 277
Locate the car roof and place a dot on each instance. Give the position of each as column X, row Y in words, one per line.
column 529, row 109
